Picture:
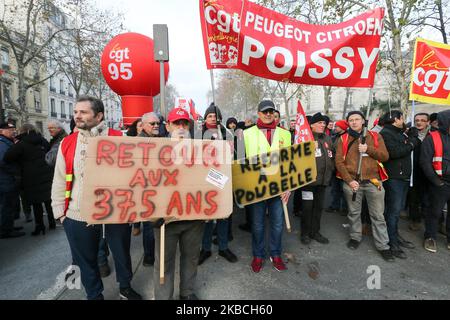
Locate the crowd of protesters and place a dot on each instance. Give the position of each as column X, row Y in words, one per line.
column 373, row 176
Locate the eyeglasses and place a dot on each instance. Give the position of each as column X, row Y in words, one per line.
column 270, row 111
column 157, row 123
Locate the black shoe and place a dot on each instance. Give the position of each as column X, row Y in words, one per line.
column 397, row 252
column 405, row 243
column 12, row 234
column 353, row 244
column 37, row 231
column 387, row 255
column 203, row 256
column 227, row 254
column 104, row 270
column 148, row 261
column 305, row 240
column 245, row 227
column 321, row 239
column 129, row 294
column 189, row 297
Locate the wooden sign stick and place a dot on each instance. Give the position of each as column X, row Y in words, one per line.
column 161, row 254
column 286, row 216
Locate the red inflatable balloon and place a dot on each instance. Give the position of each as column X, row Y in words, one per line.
column 130, row 70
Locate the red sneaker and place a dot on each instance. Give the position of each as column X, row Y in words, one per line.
column 278, row 263
column 257, row 264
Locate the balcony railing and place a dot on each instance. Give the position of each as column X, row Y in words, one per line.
column 52, row 89
column 53, row 114
column 63, row 116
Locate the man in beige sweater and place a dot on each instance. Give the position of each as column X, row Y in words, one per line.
column 66, row 202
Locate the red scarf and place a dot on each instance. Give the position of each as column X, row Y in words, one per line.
column 268, row 128
column 210, row 126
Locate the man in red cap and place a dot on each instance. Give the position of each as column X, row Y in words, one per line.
column 188, row 234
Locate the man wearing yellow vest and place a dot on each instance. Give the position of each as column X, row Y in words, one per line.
column 66, row 202
column 260, row 139
column 435, row 162
column 348, row 151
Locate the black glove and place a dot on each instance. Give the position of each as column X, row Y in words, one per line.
column 413, row 132
column 414, row 141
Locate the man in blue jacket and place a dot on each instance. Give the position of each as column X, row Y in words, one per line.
column 8, row 186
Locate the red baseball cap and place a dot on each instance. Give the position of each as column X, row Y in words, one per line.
column 178, row 114
column 342, row 124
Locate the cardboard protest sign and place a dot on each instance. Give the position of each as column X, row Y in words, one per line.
column 130, row 179
column 243, row 35
column 430, row 77
column 268, row 175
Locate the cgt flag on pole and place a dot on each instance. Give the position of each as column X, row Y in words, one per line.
column 430, row 76
column 303, row 131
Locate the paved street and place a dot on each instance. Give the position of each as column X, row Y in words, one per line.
column 32, row 268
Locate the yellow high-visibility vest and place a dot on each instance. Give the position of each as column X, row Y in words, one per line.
column 256, row 142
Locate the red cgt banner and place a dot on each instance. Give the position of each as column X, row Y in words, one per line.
column 430, row 77
column 243, row 35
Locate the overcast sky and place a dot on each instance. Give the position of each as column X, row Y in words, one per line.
column 187, row 59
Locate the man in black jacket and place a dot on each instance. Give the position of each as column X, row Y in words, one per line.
column 398, row 167
column 313, row 195
column 435, row 162
column 418, row 197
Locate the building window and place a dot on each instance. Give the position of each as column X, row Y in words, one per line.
column 52, row 85
column 5, row 58
column 70, row 110
column 63, row 110
column 69, row 91
column 350, row 99
column 53, row 113
column 37, row 101
column 329, row 101
column 40, row 126
column 61, row 87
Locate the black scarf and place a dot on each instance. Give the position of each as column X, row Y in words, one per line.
column 354, row 134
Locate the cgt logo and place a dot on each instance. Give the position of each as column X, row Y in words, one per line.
column 432, row 73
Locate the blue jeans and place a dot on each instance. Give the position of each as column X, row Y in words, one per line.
column 222, row 235
column 148, row 239
column 337, row 195
column 84, row 245
column 396, row 191
column 276, row 217
column 102, row 257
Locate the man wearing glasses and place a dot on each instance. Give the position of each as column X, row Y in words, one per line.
column 419, row 202
column 150, row 125
column 263, row 138
column 150, row 128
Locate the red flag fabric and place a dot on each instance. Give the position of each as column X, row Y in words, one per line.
column 242, row 35
column 303, row 131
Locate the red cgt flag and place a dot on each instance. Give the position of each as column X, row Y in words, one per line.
column 303, row 131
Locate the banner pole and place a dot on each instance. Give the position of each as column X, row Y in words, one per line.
column 212, row 85
column 413, row 113
column 162, row 253
column 286, row 216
